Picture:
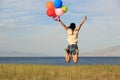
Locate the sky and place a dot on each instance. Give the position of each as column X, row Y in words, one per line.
column 26, row 30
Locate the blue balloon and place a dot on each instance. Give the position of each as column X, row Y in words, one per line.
column 58, row 3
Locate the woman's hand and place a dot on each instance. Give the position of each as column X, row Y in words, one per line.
column 81, row 23
column 85, row 18
column 58, row 19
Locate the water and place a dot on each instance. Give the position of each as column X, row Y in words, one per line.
column 60, row 60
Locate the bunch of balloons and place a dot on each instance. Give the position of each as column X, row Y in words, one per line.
column 55, row 9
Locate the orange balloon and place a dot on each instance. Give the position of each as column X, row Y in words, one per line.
column 50, row 4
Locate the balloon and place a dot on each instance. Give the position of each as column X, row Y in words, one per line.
column 50, row 12
column 56, row 18
column 59, row 11
column 64, row 8
column 55, row 9
column 58, row 3
column 50, row 4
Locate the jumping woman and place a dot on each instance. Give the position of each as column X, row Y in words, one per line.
column 72, row 50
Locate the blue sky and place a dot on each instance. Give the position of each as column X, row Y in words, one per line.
column 25, row 27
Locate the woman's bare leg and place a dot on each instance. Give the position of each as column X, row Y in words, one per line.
column 75, row 58
column 68, row 57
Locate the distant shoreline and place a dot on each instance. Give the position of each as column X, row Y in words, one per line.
column 60, row 60
column 52, row 56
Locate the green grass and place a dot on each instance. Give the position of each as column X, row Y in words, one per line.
column 52, row 72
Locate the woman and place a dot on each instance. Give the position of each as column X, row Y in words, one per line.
column 72, row 38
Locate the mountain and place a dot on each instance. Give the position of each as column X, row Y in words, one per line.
column 108, row 52
column 20, row 54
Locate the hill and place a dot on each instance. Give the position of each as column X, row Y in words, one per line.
column 108, row 52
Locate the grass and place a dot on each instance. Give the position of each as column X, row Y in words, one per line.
column 52, row 72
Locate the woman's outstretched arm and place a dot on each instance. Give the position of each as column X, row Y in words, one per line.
column 81, row 23
column 65, row 27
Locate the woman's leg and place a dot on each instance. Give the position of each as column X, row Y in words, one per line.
column 75, row 56
column 67, row 56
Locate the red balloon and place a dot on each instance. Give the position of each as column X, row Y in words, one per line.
column 50, row 12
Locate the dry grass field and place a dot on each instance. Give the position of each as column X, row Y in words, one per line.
column 52, row 72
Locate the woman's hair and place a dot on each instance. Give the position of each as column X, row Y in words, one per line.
column 72, row 26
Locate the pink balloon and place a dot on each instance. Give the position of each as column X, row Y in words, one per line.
column 56, row 18
column 59, row 11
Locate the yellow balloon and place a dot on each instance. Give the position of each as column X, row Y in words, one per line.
column 64, row 8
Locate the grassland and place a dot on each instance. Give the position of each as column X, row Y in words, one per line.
column 52, row 72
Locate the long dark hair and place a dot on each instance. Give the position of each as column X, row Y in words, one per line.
column 72, row 26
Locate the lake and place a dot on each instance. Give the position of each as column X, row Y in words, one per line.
column 60, row 60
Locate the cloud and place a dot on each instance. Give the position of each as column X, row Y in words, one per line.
column 118, row 37
column 19, row 12
column 21, row 5
column 92, row 7
column 35, row 42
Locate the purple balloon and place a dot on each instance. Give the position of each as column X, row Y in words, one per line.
column 56, row 18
